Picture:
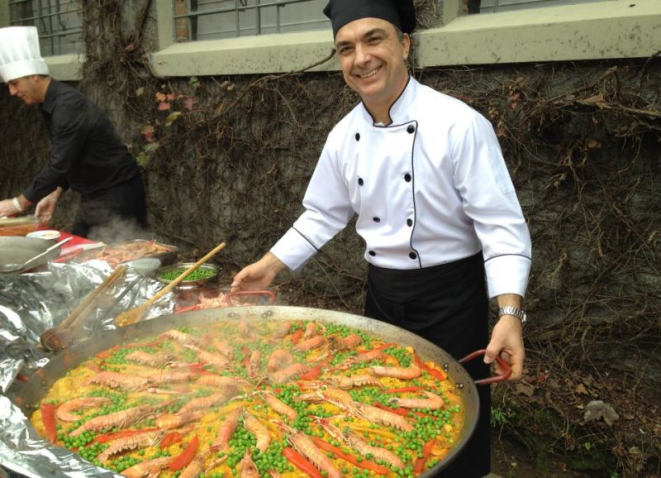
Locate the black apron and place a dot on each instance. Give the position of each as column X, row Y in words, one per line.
column 447, row 305
column 121, row 208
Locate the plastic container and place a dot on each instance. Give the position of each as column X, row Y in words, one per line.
column 47, row 235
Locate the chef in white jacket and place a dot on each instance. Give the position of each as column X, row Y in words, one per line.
column 435, row 203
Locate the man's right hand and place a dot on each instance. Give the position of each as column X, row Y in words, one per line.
column 258, row 276
column 45, row 207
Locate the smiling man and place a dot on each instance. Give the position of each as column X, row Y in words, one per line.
column 435, row 203
column 87, row 154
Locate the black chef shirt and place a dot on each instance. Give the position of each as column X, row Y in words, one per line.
column 87, row 153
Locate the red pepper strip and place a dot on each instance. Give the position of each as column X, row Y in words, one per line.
column 297, row 336
column 405, row 389
column 366, row 464
column 438, row 375
column 301, row 463
column 427, row 448
column 313, row 374
column 380, row 347
column 186, row 456
column 48, row 417
column 399, row 411
column 426, row 451
column 171, row 439
column 106, row 437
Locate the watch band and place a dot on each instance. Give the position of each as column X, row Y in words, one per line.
column 515, row 311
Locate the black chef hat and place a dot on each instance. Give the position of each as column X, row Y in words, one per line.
column 400, row 13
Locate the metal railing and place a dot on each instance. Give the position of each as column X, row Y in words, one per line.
column 59, row 23
column 494, row 6
column 197, row 9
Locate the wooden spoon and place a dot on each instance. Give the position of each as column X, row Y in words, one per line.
column 135, row 314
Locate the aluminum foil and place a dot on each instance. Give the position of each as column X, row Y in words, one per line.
column 23, row 451
column 31, row 304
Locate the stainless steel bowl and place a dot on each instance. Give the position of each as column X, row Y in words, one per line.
column 182, row 266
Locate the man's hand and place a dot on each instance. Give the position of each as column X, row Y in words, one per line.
column 507, row 339
column 258, row 276
column 45, row 207
column 7, row 208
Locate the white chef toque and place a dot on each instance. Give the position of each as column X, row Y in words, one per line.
column 19, row 53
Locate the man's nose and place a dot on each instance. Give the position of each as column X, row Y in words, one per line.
column 12, row 90
column 362, row 54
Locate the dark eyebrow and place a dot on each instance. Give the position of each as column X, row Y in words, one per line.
column 368, row 34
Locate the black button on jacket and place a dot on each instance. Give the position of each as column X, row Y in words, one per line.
column 87, row 153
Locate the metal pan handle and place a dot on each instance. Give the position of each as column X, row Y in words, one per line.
column 490, row 380
column 256, row 293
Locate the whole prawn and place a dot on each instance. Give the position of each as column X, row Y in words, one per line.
column 288, row 373
column 432, row 402
column 222, row 443
column 360, row 359
column 64, row 411
column 402, row 373
column 309, row 344
column 183, row 338
column 235, row 383
column 376, row 415
column 355, row 442
column 119, row 419
column 347, row 383
column 203, row 403
column 253, row 365
column 306, row 447
column 247, row 467
column 279, row 406
column 143, row 440
column 175, row 420
column 278, row 360
column 118, row 380
column 260, row 431
column 153, row 360
column 148, row 469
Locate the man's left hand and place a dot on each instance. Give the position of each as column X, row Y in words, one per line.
column 7, row 208
column 507, row 341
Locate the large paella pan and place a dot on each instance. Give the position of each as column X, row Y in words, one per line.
column 348, row 395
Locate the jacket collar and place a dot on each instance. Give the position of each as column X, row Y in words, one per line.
column 399, row 110
column 49, row 102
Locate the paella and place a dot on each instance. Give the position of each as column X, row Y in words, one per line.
column 275, row 398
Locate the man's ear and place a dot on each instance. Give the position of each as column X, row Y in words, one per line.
column 406, row 42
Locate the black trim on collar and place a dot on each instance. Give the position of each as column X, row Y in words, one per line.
column 390, row 125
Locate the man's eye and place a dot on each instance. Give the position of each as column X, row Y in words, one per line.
column 344, row 50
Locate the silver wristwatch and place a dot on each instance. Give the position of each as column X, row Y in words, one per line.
column 516, row 312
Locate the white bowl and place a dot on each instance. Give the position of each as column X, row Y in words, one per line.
column 49, row 235
column 144, row 265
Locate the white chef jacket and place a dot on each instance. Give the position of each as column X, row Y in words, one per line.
column 430, row 188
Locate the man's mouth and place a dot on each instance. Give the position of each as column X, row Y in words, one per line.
column 369, row 74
